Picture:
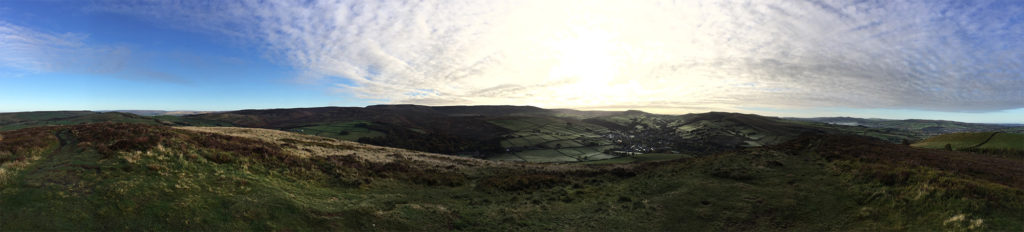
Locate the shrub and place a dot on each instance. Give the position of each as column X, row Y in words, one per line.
column 523, row 182
column 21, row 143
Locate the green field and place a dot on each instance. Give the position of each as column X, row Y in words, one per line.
column 351, row 130
column 956, row 140
column 982, row 142
column 1005, row 141
column 967, row 140
column 640, row 158
column 888, row 134
column 548, row 139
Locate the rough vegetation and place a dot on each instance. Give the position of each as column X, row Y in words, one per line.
column 148, row 177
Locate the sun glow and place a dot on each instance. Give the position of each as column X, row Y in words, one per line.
column 587, row 59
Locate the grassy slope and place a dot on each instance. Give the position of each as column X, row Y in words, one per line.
column 956, row 140
column 14, row 121
column 892, row 135
column 1000, row 143
column 1005, row 141
column 9, row 118
column 188, row 121
column 549, row 139
column 351, row 131
column 640, row 158
column 531, row 136
column 120, row 176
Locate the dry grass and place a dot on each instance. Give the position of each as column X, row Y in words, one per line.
column 8, row 169
column 309, row 146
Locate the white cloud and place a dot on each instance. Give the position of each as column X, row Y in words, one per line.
column 674, row 54
column 26, row 51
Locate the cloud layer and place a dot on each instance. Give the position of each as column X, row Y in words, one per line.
column 31, row 50
column 25, row 50
column 948, row 56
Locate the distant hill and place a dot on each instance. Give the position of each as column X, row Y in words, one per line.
column 23, row 117
column 408, row 126
column 130, row 176
column 522, row 133
column 917, row 126
column 12, row 121
column 160, row 112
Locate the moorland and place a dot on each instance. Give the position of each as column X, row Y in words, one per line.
column 499, row 168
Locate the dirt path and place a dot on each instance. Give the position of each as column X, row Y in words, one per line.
column 68, row 144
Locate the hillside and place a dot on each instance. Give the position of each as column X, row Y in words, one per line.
column 921, row 127
column 514, row 133
column 523, row 133
column 13, row 121
column 984, row 142
column 149, row 177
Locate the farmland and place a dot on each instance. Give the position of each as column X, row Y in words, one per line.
column 639, row 158
column 351, row 131
column 549, row 139
column 985, row 142
column 530, row 134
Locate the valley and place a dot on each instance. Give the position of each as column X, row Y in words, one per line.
column 529, row 169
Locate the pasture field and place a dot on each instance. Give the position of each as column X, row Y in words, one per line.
column 563, row 155
column 550, row 140
column 649, row 157
column 956, row 140
column 996, row 143
column 545, row 156
column 351, row 130
column 1008, row 141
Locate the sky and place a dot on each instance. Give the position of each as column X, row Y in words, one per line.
column 927, row 59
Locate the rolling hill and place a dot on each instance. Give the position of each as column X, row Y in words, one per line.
column 118, row 176
column 984, row 142
column 12, row 121
column 521, row 133
column 920, row 127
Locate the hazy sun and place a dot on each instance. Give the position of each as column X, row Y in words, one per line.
column 587, row 59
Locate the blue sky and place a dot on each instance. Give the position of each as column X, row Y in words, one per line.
column 130, row 63
column 952, row 60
